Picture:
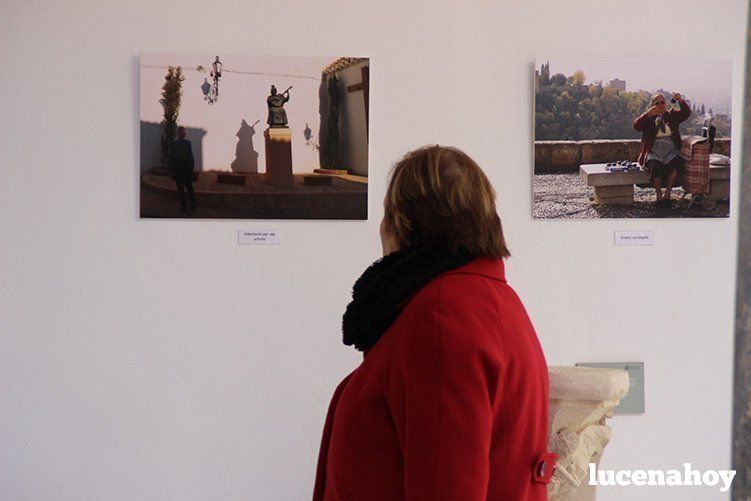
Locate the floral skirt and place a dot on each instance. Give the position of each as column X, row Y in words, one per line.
column 663, row 158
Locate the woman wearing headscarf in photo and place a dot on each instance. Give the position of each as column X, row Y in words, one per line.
column 661, row 143
column 451, row 399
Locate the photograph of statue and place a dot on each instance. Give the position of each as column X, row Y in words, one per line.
column 219, row 140
column 632, row 138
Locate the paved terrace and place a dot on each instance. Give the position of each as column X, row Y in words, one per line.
column 565, row 196
column 345, row 198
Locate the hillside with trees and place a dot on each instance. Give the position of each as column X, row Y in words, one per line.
column 568, row 109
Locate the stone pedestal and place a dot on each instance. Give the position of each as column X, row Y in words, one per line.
column 614, row 195
column 581, row 399
column 279, row 157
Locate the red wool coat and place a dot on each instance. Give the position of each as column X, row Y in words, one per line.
column 451, row 403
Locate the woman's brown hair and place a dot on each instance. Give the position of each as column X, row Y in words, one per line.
column 439, row 196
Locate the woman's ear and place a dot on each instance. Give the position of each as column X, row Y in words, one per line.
column 389, row 242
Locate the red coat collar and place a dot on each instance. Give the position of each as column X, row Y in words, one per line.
column 488, row 267
column 492, row 268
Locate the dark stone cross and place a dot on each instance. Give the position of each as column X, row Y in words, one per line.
column 363, row 86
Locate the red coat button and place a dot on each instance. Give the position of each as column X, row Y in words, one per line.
column 544, row 468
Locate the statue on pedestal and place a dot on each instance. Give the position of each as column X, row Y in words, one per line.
column 275, row 102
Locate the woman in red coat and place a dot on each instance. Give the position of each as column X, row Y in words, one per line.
column 451, row 399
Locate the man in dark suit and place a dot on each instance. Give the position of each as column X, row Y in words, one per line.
column 181, row 163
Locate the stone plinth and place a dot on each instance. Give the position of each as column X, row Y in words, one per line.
column 279, row 157
column 581, row 399
column 614, row 195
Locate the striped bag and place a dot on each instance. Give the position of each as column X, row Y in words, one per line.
column 695, row 151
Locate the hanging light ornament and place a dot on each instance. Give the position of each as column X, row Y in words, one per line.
column 213, row 95
column 217, row 65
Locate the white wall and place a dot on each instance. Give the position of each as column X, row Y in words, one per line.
column 160, row 360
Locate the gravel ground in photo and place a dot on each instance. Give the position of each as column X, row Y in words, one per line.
column 565, row 196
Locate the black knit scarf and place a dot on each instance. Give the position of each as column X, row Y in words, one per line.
column 377, row 294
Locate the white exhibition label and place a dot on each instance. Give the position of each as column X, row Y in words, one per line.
column 258, row 237
column 634, row 238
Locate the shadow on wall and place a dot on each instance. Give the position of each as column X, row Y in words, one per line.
column 246, row 157
column 205, row 87
column 151, row 150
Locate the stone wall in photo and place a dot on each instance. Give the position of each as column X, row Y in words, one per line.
column 567, row 156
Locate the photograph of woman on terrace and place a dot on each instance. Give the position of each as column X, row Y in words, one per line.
column 632, row 138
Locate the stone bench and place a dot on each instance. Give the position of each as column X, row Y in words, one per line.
column 617, row 188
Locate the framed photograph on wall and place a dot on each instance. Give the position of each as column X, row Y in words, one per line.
column 253, row 137
column 632, row 138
